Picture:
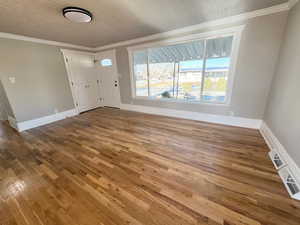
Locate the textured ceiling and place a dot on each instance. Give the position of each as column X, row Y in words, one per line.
column 115, row 20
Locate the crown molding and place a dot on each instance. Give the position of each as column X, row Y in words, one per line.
column 292, row 3
column 219, row 22
column 42, row 41
column 70, row 52
column 189, row 37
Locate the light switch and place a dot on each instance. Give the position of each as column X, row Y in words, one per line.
column 12, row 80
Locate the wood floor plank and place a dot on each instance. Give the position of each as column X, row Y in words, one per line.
column 115, row 167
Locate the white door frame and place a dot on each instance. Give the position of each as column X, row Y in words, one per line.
column 113, row 52
column 67, row 53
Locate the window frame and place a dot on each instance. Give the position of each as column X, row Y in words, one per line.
column 236, row 32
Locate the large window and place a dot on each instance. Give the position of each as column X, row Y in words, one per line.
column 191, row 71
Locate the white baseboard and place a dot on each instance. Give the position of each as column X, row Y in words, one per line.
column 26, row 125
column 211, row 118
column 275, row 145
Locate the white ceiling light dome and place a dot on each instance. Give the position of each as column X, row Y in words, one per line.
column 77, row 15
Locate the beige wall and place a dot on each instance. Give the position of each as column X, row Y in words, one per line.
column 42, row 86
column 283, row 111
column 5, row 107
column 257, row 58
column 41, row 79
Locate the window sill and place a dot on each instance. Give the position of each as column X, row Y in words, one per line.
column 192, row 102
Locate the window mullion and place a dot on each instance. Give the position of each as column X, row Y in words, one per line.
column 148, row 73
column 178, row 74
column 203, row 71
column 174, row 77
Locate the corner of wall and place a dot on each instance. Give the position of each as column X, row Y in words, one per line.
column 278, row 58
column 5, row 101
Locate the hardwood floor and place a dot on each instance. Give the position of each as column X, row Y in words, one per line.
column 113, row 167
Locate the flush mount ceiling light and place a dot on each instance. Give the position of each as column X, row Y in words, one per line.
column 77, row 15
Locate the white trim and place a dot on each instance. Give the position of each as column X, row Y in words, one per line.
column 211, row 118
column 131, row 74
column 181, row 101
column 69, row 74
column 275, row 145
column 234, row 59
column 42, row 41
column 70, row 52
column 191, row 37
column 292, row 3
column 26, row 125
column 220, row 22
column 235, row 31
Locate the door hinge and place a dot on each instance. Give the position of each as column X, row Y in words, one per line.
column 77, row 104
column 72, row 83
column 67, row 60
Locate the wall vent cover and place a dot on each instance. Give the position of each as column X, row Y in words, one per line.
column 277, row 160
column 291, row 184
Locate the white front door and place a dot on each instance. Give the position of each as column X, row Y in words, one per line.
column 83, row 79
column 108, row 79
